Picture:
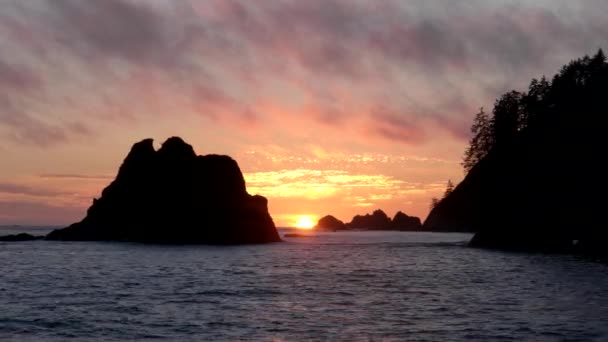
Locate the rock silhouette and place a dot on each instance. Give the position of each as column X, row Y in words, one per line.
column 402, row 221
column 20, row 237
column 174, row 196
column 539, row 187
column 330, row 223
column 296, row 235
column 378, row 220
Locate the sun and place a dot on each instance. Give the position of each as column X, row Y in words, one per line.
column 304, row 222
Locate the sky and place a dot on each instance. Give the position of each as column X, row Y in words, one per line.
column 329, row 106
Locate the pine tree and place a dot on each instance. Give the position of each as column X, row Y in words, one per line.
column 448, row 189
column 434, row 202
column 481, row 142
column 533, row 104
column 599, row 58
column 507, row 118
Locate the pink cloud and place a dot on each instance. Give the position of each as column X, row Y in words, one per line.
column 23, row 212
column 217, row 58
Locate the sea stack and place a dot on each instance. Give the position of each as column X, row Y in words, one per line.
column 402, row 221
column 329, row 222
column 174, row 196
column 378, row 220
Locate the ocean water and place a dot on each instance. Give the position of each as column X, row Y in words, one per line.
column 347, row 286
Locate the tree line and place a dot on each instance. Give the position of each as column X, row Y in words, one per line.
column 569, row 99
column 517, row 112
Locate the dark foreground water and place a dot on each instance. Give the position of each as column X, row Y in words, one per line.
column 359, row 286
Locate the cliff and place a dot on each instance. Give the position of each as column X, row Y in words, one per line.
column 543, row 190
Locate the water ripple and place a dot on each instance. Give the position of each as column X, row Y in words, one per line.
column 343, row 286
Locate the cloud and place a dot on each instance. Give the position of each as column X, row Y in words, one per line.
column 12, row 188
column 20, row 85
column 60, row 72
column 111, row 28
column 67, row 63
column 267, row 158
column 27, row 129
column 396, row 126
column 75, row 176
column 316, row 184
column 390, row 47
column 14, row 76
column 26, row 212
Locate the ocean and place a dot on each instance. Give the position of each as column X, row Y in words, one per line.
column 325, row 286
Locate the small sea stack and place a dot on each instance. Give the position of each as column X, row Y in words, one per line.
column 20, row 237
column 378, row 220
column 171, row 195
column 329, row 222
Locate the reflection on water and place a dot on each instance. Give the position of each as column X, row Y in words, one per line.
column 359, row 286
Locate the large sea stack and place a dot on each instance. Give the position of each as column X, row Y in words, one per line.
column 174, row 196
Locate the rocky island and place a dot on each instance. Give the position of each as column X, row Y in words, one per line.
column 378, row 220
column 174, row 196
column 330, row 222
column 20, row 237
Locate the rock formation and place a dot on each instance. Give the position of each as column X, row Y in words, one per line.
column 378, row 220
column 401, row 221
column 174, row 196
column 20, row 237
column 330, row 223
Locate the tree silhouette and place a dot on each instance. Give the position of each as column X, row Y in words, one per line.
column 434, row 202
column 551, row 133
column 508, row 118
column 533, row 104
column 448, row 189
column 481, row 142
column 546, row 103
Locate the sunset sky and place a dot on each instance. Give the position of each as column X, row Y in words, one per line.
column 330, row 107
